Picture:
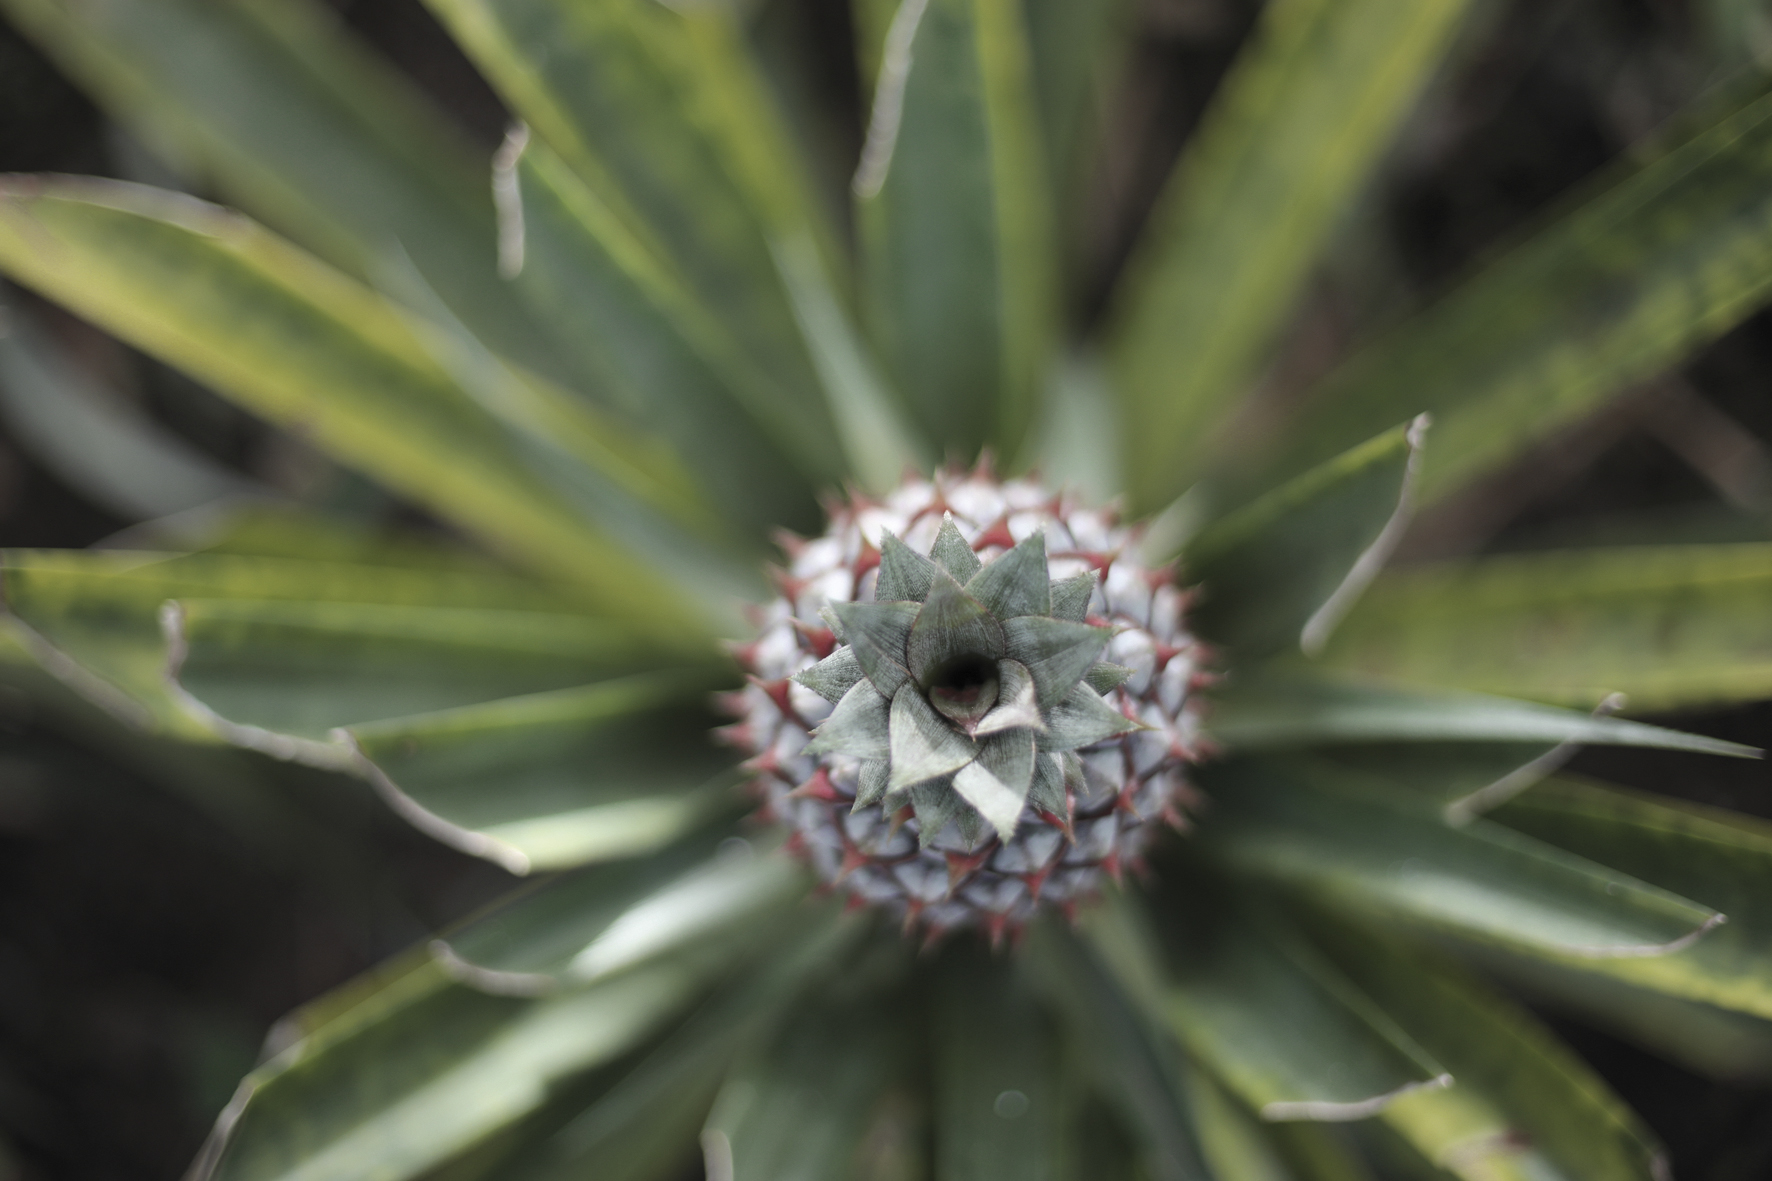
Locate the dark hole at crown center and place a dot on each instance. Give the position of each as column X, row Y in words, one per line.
column 964, row 688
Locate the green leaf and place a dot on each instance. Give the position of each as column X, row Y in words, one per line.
column 1675, row 253
column 1218, row 982
column 1522, row 1101
column 797, row 1109
column 953, row 553
column 1235, row 1146
column 951, row 626
column 1016, row 582
column 590, row 924
column 958, row 249
column 553, row 779
column 1105, row 1023
column 304, row 669
column 1056, row 652
column 878, row 634
column 1074, row 47
column 93, row 619
column 649, row 351
column 659, row 115
column 1291, row 136
column 1082, row 719
column 96, row 440
column 923, row 745
column 833, row 677
column 1704, row 1038
column 859, row 726
column 1719, row 858
column 1003, row 1104
column 1286, row 568
column 1278, row 711
column 290, row 116
column 905, row 575
column 409, row 1069
column 1667, row 626
column 997, row 783
column 435, row 706
column 1375, row 853
column 220, row 298
column 1465, row 778
column 647, row 1122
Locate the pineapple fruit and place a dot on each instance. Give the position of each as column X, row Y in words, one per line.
column 619, row 357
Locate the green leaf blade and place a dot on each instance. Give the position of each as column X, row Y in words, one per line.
column 222, row 299
column 1674, row 254
column 1291, row 136
column 1667, row 626
column 958, row 247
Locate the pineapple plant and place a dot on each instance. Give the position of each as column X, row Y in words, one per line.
column 1010, row 874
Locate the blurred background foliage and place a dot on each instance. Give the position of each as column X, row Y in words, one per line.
column 162, row 906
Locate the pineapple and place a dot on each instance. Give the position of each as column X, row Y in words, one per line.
column 933, row 714
column 628, row 351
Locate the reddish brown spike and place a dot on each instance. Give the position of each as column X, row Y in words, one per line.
column 1111, row 863
column 866, row 560
column 795, row 844
column 1059, row 822
column 1173, row 817
column 732, row 703
column 962, row 866
column 1123, row 799
column 789, row 586
column 853, row 859
column 791, row 543
column 897, row 820
column 822, row 640
column 995, row 925
column 739, row 734
column 778, row 693
column 997, row 534
column 1167, row 652
column 818, row 788
column 765, row 763
column 1160, row 576
column 745, row 654
column 1036, row 881
column 853, row 903
column 913, row 914
column 985, row 468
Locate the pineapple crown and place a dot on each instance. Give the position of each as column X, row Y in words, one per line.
column 965, row 687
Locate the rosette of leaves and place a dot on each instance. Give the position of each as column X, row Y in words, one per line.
column 647, row 344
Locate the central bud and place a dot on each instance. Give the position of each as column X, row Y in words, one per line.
column 969, row 698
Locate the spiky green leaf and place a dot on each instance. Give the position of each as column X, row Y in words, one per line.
column 1667, row 626
column 1285, row 569
column 1015, row 583
column 1720, row 858
column 1291, row 136
column 1522, row 1101
column 1264, row 713
column 879, row 634
column 1003, row 1103
column 219, row 297
column 1676, row 252
column 958, row 248
column 1382, row 856
column 278, row 105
